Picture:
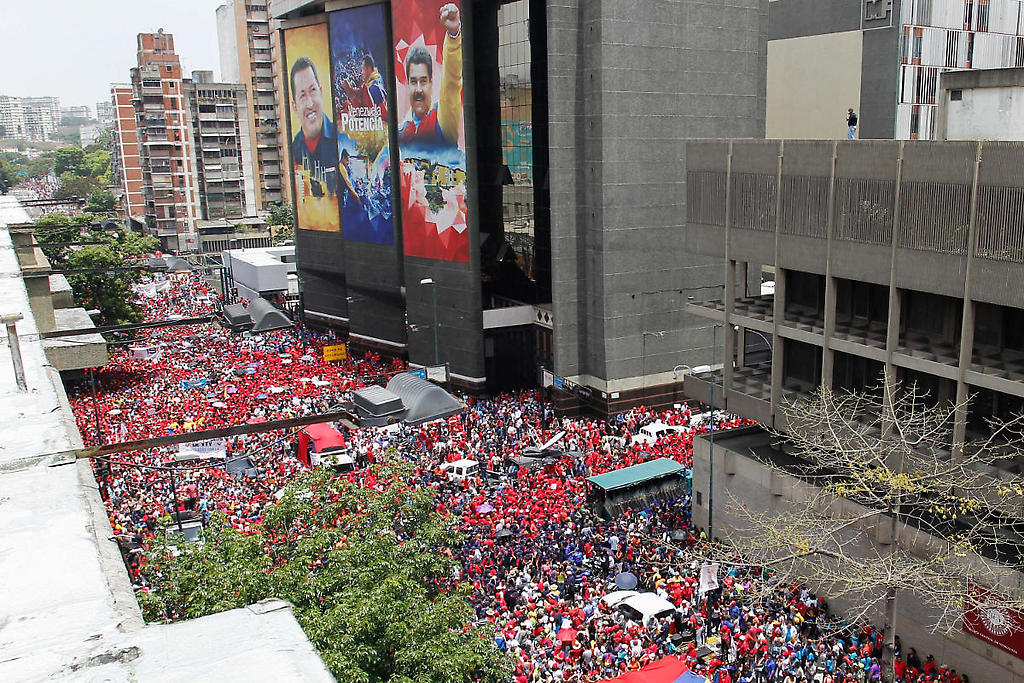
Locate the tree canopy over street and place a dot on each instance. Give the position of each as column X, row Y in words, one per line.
column 367, row 572
column 110, row 293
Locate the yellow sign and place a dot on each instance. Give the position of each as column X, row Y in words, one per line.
column 336, row 352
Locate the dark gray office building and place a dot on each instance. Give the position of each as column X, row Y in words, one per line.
column 894, row 260
column 576, row 120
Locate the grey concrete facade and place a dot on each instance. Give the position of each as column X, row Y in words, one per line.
column 740, row 474
column 913, row 219
column 880, row 57
column 629, row 82
column 626, row 85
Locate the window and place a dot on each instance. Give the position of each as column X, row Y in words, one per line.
column 956, row 95
column 952, row 45
column 983, row 16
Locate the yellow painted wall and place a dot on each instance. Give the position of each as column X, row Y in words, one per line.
column 812, row 81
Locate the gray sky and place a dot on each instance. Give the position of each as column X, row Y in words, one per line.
column 74, row 49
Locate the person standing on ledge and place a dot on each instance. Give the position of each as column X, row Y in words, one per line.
column 851, row 122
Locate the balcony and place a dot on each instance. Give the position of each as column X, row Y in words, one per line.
column 805, row 319
column 863, row 332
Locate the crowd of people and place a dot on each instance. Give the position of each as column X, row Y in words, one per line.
column 541, row 565
column 39, row 187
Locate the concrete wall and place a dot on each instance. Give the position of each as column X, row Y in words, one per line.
column 628, row 83
column 877, row 61
column 812, row 81
column 984, row 114
column 227, row 43
column 738, row 477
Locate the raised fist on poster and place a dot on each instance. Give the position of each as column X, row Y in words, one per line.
column 451, row 19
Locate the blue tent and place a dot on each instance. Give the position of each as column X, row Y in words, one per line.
column 690, row 677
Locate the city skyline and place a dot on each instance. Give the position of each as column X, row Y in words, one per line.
column 109, row 51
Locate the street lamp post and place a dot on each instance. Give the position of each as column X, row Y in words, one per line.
column 433, row 292
column 711, row 429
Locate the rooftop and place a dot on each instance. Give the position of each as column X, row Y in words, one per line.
column 636, row 474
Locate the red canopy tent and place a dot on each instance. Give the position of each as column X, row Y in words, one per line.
column 322, row 437
column 667, row 670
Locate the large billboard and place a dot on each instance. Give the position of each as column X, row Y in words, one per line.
column 431, row 129
column 314, row 147
column 359, row 51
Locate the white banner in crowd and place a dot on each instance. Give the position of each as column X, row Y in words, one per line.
column 708, row 577
column 146, row 352
column 208, row 449
column 151, row 289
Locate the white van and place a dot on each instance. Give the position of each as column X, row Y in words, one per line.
column 646, row 607
column 461, row 470
column 654, row 431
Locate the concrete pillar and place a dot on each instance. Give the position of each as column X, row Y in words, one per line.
column 827, row 354
column 779, row 310
column 41, row 301
column 892, row 332
column 966, row 324
column 730, row 334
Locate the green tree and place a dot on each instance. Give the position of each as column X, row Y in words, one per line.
column 367, row 572
column 54, row 218
column 281, row 214
column 41, row 165
column 101, row 201
column 8, row 177
column 102, row 142
column 97, row 163
column 282, row 235
column 109, row 292
column 70, row 159
column 54, row 228
column 72, row 185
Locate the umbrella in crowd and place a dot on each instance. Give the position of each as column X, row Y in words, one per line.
column 626, row 581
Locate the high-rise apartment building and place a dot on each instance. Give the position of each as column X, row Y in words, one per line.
column 75, row 112
column 167, row 155
column 12, row 117
column 193, row 144
column 881, row 58
column 105, row 112
column 248, row 55
column 29, row 118
column 42, row 117
column 219, row 120
column 125, row 164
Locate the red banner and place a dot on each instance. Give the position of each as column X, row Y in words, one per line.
column 998, row 626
